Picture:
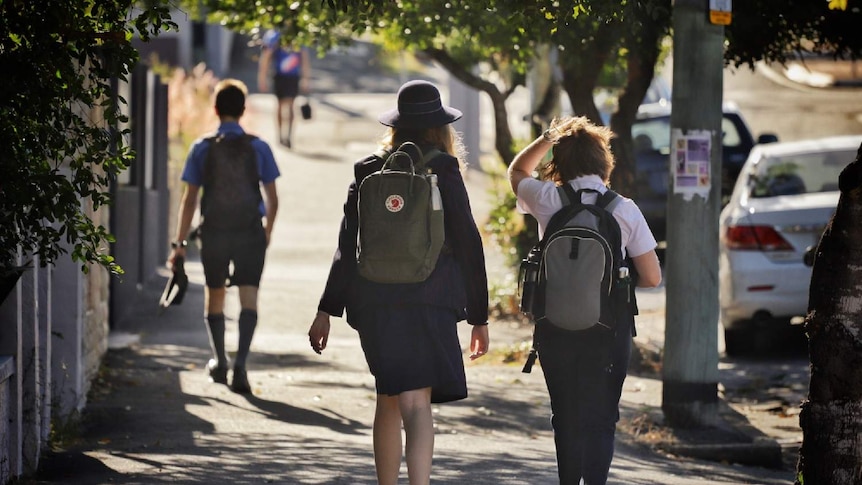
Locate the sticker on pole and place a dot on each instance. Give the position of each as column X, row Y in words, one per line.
column 690, row 162
column 719, row 12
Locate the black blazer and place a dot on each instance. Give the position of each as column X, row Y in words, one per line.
column 458, row 281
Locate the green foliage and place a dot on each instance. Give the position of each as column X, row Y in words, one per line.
column 59, row 150
column 514, row 353
column 490, row 45
column 511, row 231
column 502, row 296
column 513, row 234
column 775, row 30
column 65, row 429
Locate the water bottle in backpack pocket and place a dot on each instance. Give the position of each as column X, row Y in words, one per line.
column 528, row 280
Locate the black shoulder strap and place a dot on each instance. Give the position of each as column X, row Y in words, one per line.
column 208, row 170
column 419, row 165
column 428, row 156
column 567, row 194
column 382, row 154
column 609, row 200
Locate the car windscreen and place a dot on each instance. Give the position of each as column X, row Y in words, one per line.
column 654, row 134
column 799, row 173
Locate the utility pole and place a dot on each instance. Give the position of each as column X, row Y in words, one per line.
column 690, row 367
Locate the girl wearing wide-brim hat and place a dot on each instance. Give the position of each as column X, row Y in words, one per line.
column 409, row 331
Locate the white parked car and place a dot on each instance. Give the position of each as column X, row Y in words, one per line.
column 784, row 197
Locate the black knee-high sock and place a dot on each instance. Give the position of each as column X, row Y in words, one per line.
column 215, row 326
column 247, row 324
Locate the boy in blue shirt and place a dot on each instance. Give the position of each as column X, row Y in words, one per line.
column 224, row 238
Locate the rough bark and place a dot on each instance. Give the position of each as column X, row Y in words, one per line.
column 581, row 70
column 640, row 72
column 503, row 141
column 831, row 417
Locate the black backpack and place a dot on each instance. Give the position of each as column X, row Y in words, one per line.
column 231, row 189
column 575, row 278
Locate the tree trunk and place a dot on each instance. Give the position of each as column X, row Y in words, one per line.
column 503, row 141
column 641, row 70
column 581, row 70
column 643, row 42
column 831, row 417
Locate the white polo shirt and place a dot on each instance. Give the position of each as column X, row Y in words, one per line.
column 541, row 200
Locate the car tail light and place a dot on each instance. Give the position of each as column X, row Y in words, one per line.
column 755, row 238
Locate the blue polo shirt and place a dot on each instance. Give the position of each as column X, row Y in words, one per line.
column 193, row 173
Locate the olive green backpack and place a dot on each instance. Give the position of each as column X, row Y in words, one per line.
column 400, row 218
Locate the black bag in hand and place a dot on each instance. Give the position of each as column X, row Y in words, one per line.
column 305, row 109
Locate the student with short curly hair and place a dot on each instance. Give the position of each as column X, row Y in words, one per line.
column 585, row 391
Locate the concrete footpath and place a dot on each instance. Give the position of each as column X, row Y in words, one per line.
column 153, row 417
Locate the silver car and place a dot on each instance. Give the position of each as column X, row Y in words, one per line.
column 784, row 197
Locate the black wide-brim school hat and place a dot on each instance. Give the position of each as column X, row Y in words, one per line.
column 419, row 107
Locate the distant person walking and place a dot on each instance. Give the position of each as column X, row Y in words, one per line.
column 292, row 70
column 585, row 390
column 408, row 331
column 230, row 166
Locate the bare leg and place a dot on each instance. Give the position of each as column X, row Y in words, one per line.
column 288, row 104
column 387, row 439
column 214, row 299
column 248, row 297
column 415, row 408
column 280, row 118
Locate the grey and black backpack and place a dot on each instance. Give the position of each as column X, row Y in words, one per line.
column 575, row 278
column 401, row 231
column 231, row 188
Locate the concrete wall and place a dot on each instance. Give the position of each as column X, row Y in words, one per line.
column 69, row 307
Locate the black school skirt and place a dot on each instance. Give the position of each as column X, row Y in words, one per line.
column 411, row 347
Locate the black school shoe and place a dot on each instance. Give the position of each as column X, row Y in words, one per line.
column 217, row 373
column 240, row 381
